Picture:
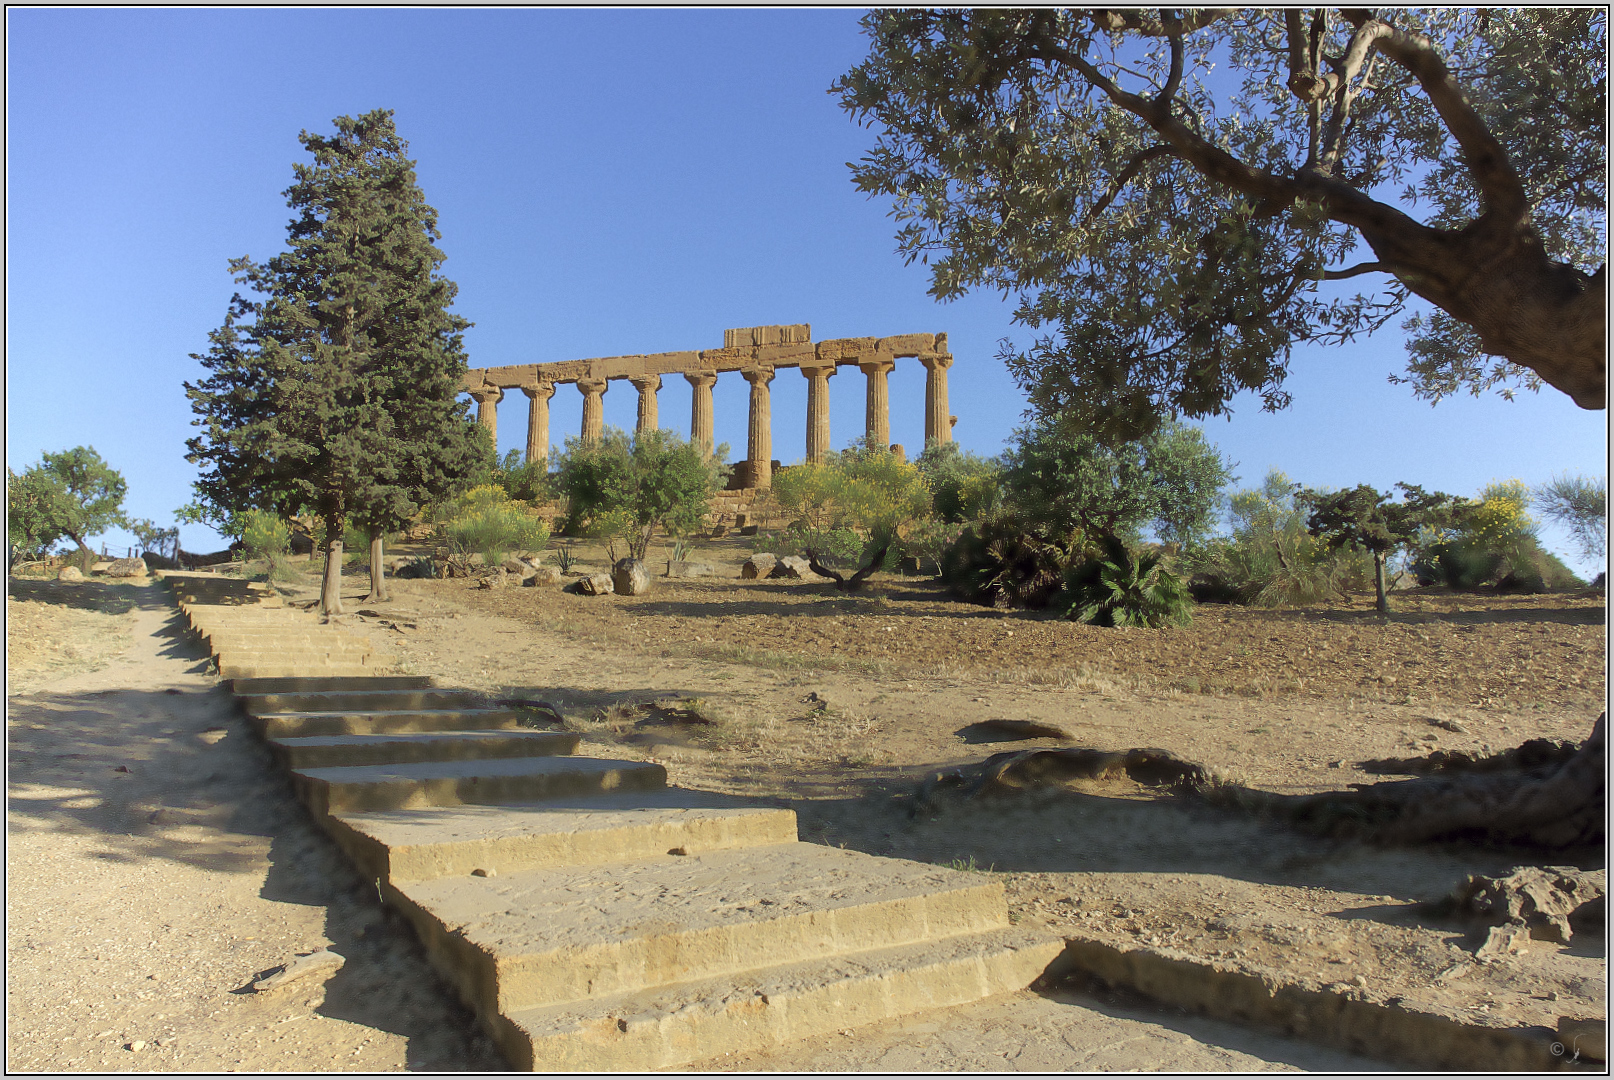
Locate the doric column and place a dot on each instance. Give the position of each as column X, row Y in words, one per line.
column 759, row 433
column 538, row 421
column 877, row 417
column 487, row 409
column 700, row 411
column 938, row 423
column 593, row 408
column 647, row 385
column 818, row 376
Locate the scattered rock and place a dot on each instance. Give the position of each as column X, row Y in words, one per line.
column 679, row 568
column 1535, row 901
column 630, row 577
column 126, row 568
column 480, row 872
column 136, row 1046
column 515, row 566
column 542, row 575
column 319, row 962
column 597, row 584
column 70, row 573
column 496, row 580
column 167, row 1040
column 1447, row 725
column 792, row 566
column 759, row 565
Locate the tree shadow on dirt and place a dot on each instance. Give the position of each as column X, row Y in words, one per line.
column 102, row 596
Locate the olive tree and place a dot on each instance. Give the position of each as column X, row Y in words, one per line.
column 1167, row 191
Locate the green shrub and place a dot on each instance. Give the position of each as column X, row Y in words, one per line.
column 264, row 534
column 1271, row 559
column 1120, row 587
column 999, row 561
column 488, row 521
column 1492, row 544
column 962, row 485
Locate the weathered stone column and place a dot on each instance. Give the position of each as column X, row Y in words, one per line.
column 700, row 410
column 538, row 421
column 593, row 408
column 647, row 385
column 759, row 433
column 487, row 410
column 877, row 417
column 818, row 376
column 938, row 423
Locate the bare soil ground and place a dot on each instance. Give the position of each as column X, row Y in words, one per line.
column 837, row 706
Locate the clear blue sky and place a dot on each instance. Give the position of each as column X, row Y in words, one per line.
column 607, row 182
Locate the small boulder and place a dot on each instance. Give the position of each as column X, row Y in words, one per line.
column 684, row 568
column 514, row 566
column 70, row 573
column 598, row 584
column 792, row 566
column 126, row 568
column 496, row 580
column 541, row 576
column 759, row 565
column 630, row 577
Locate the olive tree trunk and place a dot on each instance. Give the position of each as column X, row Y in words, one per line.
column 330, row 593
column 378, row 571
column 1382, row 596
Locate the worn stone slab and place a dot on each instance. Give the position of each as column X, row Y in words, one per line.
column 674, row 1026
column 318, row 684
column 423, row 845
column 268, row 669
column 452, row 783
column 291, row 725
column 552, row 935
column 360, row 701
column 325, row 751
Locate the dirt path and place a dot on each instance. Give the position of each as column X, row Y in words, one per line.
column 156, row 866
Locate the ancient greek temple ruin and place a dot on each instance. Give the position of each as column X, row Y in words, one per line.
column 755, row 352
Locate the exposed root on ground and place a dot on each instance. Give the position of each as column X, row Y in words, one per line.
column 1541, row 795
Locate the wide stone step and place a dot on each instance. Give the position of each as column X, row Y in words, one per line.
column 278, row 637
column 543, row 937
column 452, row 783
column 422, row 845
column 676, row 1026
column 318, row 684
column 281, row 668
column 360, row 701
column 293, row 725
column 325, row 751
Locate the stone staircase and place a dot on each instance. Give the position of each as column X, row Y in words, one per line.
column 252, row 634
column 598, row 920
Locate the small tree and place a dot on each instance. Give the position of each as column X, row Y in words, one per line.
column 865, row 492
column 626, row 487
column 72, row 494
column 1366, row 519
column 1071, row 484
column 1580, row 504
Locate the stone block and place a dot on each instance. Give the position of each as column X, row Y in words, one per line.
column 792, row 566
column 597, row 584
column 70, row 573
column 126, row 568
column 541, row 576
column 681, row 568
column 630, row 577
column 759, row 565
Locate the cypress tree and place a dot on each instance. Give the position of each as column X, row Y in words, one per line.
column 335, row 389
